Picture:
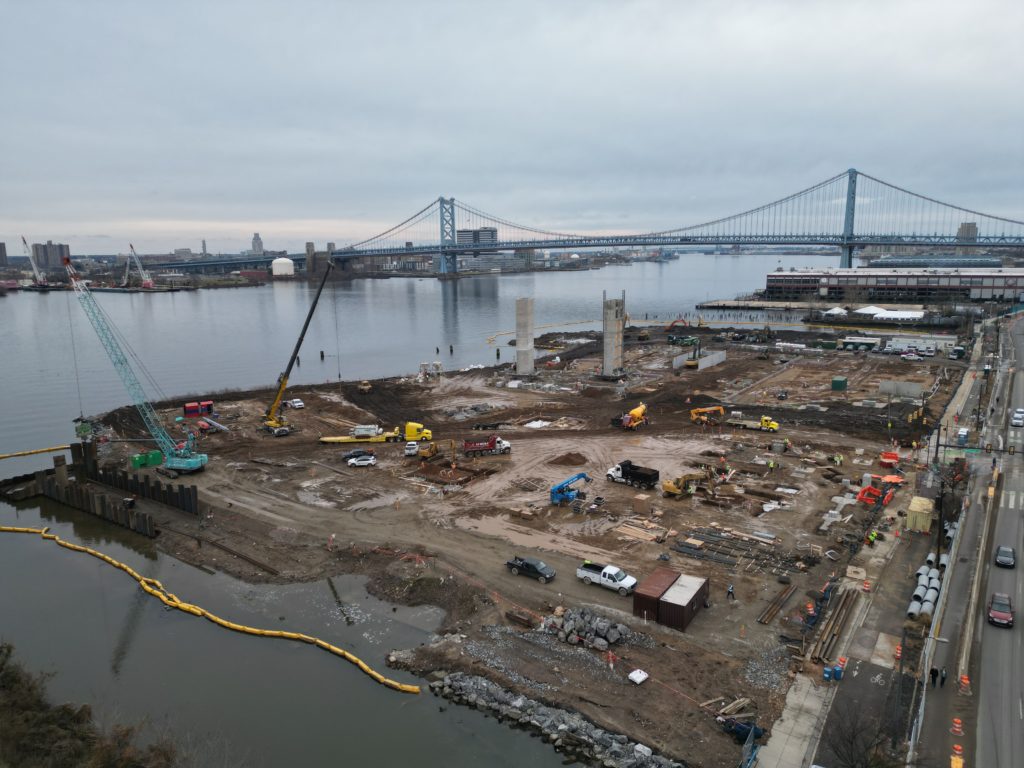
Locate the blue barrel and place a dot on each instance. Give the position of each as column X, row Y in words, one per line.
column 837, row 672
column 826, row 673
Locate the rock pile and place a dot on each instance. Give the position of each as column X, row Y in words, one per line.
column 568, row 732
column 581, row 626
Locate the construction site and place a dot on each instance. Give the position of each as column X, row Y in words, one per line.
column 768, row 470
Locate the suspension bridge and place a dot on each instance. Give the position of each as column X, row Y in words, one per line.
column 850, row 210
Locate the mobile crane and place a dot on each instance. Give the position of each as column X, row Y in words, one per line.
column 274, row 421
column 39, row 280
column 147, row 281
column 178, row 457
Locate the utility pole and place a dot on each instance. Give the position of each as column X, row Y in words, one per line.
column 940, row 532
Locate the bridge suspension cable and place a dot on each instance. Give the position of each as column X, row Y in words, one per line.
column 421, row 215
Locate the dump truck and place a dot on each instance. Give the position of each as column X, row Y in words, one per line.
column 371, row 433
column 634, row 419
column 765, row 423
column 490, row 447
column 633, row 474
column 684, row 485
column 608, row 576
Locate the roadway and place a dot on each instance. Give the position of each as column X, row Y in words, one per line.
column 1000, row 659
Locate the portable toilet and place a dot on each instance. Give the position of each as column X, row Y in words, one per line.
column 839, row 383
column 206, row 407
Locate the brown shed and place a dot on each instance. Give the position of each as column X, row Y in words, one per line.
column 680, row 602
column 649, row 591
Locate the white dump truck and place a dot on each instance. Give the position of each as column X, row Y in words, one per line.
column 610, row 576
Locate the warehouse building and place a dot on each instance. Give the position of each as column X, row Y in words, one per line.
column 896, row 285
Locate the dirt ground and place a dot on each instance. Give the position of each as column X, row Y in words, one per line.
column 290, row 508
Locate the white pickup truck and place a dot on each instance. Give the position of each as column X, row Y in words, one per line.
column 610, row 576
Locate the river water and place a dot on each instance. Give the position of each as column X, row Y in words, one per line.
column 270, row 702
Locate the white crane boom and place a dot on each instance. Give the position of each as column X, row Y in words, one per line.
column 147, row 281
column 40, row 279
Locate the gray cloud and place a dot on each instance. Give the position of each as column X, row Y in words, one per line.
column 167, row 123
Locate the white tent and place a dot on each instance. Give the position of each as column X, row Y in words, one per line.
column 835, row 312
column 872, row 310
column 907, row 314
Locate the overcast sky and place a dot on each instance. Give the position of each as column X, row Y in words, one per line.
column 164, row 123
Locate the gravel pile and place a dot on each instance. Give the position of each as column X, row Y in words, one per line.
column 570, row 733
column 769, row 668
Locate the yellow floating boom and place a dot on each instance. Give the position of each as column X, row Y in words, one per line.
column 37, row 450
column 157, row 590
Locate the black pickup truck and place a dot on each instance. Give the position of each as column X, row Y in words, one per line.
column 532, row 567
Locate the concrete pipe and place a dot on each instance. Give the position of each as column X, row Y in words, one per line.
column 919, row 594
column 914, row 609
column 932, row 557
column 934, row 573
column 922, row 571
column 943, row 561
column 935, row 584
column 922, row 581
column 927, row 608
column 931, row 596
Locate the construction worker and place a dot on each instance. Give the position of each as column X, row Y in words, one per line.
column 730, row 593
column 771, row 465
column 840, row 459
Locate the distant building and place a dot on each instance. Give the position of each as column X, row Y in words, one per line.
column 481, row 236
column 51, row 255
column 204, row 247
column 895, row 285
column 257, row 245
column 183, row 253
column 3, row 254
column 967, row 232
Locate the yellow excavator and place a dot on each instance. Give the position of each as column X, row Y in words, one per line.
column 684, row 485
column 274, row 421
column 703, row 415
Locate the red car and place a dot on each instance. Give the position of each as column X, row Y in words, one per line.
column 1000, row 610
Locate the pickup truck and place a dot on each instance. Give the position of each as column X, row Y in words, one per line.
column 610, row 576
column 490, row 447
column 531, row 567
column 633, row 474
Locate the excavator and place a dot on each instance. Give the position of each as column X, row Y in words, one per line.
column 703, row 415
column 634, row 419
column 564, row 492
column 274, row 421
column 684, row 485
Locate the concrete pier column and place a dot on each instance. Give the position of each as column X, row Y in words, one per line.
column 614, row 326
column 524, row 336
column 60, row 467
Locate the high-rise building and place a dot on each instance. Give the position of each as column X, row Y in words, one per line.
column 204, row 247
column 257, row 245
column 3, row 254
column 51, row 255
column 967, row 232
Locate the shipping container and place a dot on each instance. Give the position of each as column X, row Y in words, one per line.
column 680, row 602
column 838, row 383
column 206, row 407
column 191, row 410
column 649, row 591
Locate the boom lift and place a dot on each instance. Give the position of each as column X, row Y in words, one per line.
column 274, row 421
column 39, row 279
column 564, row 492
column 178, row 457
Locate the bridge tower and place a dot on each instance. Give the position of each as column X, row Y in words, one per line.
column 846, row 261
column 449, row 260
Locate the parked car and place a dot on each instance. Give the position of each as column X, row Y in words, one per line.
column 1017, row 420
column 911, row 356
column 1006, row 557
column 782, row 395
column 412, row 448
column 355, row 453
column 294, row 403
column 1000, row 610
column 532, row 567
column 363, row 461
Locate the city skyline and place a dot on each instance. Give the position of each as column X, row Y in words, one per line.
column 167, row 126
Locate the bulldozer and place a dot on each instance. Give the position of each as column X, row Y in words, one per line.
column 704, row 415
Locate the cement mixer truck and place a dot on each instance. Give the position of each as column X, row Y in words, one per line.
column 633, row 419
